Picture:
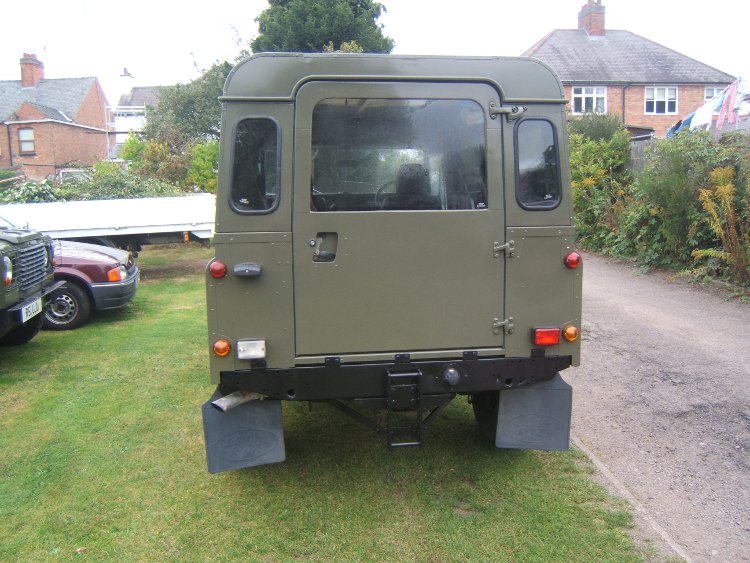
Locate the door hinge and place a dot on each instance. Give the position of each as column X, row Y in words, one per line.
column 512, row 112
column 505, row 325
column 509, row 248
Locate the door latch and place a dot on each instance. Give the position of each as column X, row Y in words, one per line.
column 506, row 325
column 512, row 112
column 509, row 248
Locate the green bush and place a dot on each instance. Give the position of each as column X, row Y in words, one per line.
column 596, row 126
column 676, row 169
column 30, row 192
column 600, row 181
column 204, row 166
column 110, row 181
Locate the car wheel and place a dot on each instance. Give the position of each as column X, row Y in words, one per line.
column 67, row 308
column 23, row 333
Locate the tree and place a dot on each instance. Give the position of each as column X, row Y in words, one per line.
column 188, row 113
column 309, row 25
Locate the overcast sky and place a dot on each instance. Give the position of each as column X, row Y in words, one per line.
column 165, row 42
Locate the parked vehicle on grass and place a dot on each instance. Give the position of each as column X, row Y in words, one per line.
column 26, row 273
column 391, row 232
column 121, row 223
column 95, row 278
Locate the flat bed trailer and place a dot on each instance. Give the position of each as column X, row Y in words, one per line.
column 123, row 223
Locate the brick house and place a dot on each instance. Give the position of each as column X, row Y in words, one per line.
column 647, row 85
column 47, row 124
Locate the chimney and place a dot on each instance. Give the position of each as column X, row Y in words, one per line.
column 591, row 18
column 32, row 71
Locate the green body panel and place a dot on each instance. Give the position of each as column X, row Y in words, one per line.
column 13, row 244
column 432, row 284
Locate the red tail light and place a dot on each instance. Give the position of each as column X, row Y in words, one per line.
column 546, row 336
column 572, row 260
column 217, row 269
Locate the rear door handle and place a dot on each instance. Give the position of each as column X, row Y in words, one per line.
column 248, row 270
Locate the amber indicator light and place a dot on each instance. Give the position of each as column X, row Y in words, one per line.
column 570, row 333
column 217, row 269
column 222, row 347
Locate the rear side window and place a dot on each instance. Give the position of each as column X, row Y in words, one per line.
column 398, row 154
column 537, row 165
column 255, row 174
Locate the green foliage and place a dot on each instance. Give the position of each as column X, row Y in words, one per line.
column 720, row 203
column 110, row 181
column 188, row 113
column 30, row 192
column 596, row 126
column 204, row 166
column 675, row 171
column 601, row 184
column 310, row 25
column 133, row 148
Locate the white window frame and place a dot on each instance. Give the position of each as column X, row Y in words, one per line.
column 666, row 95
column 593, row 97
column 26, row 141
column 711, row 92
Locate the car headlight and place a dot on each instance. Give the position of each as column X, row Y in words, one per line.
column 117, row 274
column 7, row 271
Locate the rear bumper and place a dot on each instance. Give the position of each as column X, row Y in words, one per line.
column 369, row 381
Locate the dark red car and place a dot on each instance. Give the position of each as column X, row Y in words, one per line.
column 96, row 278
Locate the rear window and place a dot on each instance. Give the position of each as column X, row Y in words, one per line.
column 255, row 172
column 398, row 154
column 537, row 165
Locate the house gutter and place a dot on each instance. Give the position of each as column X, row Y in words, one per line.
column 10, row 146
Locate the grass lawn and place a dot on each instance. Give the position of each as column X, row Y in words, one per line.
column 101, row 455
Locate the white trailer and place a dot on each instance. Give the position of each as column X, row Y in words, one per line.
column 124, row 223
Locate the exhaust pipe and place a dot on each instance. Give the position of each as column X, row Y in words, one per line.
column 228, row 402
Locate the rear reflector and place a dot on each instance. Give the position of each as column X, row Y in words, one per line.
column 546, row 336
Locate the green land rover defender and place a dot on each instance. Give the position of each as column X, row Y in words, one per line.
column 391, row 231
column 26, row 270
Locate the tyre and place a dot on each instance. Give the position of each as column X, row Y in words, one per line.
column 23, row 333
column 485, row 404
column 67, row 308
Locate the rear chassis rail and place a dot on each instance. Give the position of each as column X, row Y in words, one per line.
column 369, row 382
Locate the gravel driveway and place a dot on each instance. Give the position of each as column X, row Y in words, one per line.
column 662, row 400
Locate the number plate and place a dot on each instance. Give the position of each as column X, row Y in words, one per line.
column 31, row 310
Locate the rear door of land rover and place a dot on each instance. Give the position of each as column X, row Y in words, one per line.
column 398, row 219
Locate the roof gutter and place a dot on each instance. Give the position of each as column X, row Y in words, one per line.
column 31, row 121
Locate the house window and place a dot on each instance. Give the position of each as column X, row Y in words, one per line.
column 661, row 100
column 26, row 141
column 713, row 92
column 589, row 99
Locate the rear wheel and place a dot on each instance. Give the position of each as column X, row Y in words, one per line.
column 23, row 333
column 485, row 404
column 67, row 308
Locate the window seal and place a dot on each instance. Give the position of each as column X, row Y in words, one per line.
column 517, row 172
column 230, row 198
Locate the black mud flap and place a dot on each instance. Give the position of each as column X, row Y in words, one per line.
column 535, row 417
column 248, row 435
